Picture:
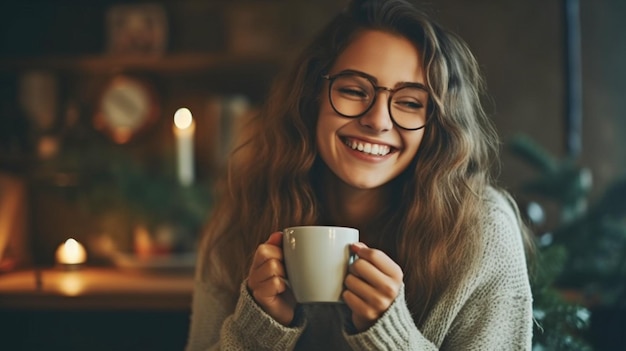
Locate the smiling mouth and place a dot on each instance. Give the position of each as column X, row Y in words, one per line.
column 368, row 148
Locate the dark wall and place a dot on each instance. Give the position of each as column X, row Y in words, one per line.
column 520, row 46
column 604, row 74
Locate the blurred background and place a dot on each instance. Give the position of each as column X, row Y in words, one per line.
column 89, row 149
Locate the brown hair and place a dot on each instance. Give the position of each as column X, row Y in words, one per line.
column 432, row 229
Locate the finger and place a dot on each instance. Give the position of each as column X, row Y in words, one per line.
column 371, row 273
column 269, row 269
column 264, row 253
column 373, row 298
column 354, row 302
column 275, row 239
column 378, row 259
column 270, row 249
column 360, row 309
column 269, row 288
column 359, row 287
column 368, row 272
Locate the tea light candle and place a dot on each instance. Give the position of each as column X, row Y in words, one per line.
column 184, row 128
column 71, row 253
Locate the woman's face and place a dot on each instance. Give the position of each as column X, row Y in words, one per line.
column 369, row 151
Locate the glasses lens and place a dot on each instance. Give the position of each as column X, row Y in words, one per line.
column 408, row 107
column 351, row 95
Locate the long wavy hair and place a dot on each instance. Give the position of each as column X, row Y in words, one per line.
column 432, row 228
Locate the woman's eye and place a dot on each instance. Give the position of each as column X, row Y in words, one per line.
column 353, row 92
column 408, row 104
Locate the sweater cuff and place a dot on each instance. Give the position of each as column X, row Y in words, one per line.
column 258, row 327
column 393, row 330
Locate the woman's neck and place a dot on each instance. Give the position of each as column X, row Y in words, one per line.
column 349, row 206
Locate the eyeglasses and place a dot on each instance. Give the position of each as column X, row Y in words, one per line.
column 352, row 94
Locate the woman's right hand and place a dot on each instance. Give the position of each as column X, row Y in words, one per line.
column 266, row 281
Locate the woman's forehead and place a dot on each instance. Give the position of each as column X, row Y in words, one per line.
column 390, row 58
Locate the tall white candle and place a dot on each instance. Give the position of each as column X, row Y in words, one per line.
column 184, row 128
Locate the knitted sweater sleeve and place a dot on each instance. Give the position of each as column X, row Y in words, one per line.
column 395, row 330
column 496, row 310
column 490, row 310
column 214, row 325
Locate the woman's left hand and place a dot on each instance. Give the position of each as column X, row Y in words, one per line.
column 372, row 284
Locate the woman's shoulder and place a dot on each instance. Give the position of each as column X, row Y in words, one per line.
column 500, row 198
column 504, row 253
column 500, row 212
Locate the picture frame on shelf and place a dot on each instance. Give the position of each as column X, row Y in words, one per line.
column 137, row 29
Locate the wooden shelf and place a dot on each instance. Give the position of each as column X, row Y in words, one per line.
column 95, row 289
column 171, row 63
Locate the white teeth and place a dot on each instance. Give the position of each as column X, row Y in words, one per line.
column 373, row 149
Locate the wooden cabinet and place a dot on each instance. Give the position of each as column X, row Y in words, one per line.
column 94, row 309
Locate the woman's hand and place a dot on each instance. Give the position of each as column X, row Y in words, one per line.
column 372, row 284
column 266, row 281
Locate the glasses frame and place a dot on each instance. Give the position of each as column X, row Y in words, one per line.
column 377, row 88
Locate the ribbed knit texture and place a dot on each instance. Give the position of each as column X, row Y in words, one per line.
column 490, row 310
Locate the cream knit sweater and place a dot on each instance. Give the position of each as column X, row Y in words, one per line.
column 491, row 310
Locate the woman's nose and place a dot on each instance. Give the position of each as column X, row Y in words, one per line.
column 377, row 118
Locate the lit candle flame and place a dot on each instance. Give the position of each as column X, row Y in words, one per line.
column 183, row 118
column 71, row 252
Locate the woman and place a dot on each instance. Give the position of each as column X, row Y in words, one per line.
column 378, row 126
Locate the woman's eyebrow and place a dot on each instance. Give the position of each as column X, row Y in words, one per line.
column 412, row 84
column 360, row 73
column 375, row 80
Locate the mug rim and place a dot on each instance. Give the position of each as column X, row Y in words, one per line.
column 319, row 226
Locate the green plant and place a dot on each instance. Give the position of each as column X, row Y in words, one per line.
column 584, row 252
column 133, row 187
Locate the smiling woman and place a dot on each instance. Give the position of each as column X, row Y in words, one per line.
column 390, row 60
column 378, row 126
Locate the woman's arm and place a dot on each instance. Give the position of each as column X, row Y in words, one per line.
column 217, row 323
column 395, row 330
column 210, row 307
column 490, row 310
column 497, row 313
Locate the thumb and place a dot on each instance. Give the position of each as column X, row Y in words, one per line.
column 356, row 247
column 275, row 239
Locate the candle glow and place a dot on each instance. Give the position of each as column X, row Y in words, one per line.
column 71, row 284
column 71, row 252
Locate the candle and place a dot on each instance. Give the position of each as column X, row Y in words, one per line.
column 184, row 128
column 71, row 253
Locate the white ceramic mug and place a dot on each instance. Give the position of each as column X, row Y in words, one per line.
column 317, row 259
